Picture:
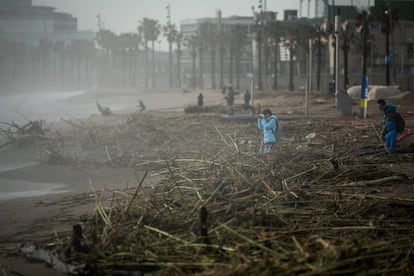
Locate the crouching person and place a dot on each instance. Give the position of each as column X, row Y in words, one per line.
column 390, row 143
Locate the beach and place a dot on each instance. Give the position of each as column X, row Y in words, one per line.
column 38, row 199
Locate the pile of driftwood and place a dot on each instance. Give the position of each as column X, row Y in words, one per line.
column 318, row 206
column 14, row 133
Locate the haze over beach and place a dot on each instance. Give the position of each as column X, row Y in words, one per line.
column 123, row 15
column 232, row 143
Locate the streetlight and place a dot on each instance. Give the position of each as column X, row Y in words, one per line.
column 258, row 16
column 387, row 45
column 364, row 81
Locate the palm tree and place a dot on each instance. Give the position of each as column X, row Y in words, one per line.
column 259, row 40
column 106, row 40
column 192, row 42
column 179, row 40
column 135, row 41
column 386, row 17
column 273, row 32
column 289, row 41
column 297, row 35
column 348, row 38
column 170, row 32
column 221, row 42
column 238, row 39
column 59, row 48
column 150, row 30
column 210, row 39
column 125, row 44
column 202, row 37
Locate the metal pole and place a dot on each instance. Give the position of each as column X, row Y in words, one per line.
column 252, row 93
column 310, row 65
column 337, row 35
column 387, row 50
column 308, row 80
column 364, row 81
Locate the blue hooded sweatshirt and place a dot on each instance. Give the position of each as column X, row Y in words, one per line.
column 389, row 108
column 269, row 127
column 391, row 138
column 388, row 111
column 389, row 115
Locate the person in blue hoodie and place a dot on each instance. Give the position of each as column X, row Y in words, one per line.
column 269, row 124
column 390, row 142
column 389, row 110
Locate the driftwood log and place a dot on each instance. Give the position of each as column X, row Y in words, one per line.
column 19, row 134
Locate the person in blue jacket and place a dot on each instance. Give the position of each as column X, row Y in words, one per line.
column 388, row 110
column 390, row 143
column 269, row 124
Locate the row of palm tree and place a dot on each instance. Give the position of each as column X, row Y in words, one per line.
column 56, row 64
column 117, row 58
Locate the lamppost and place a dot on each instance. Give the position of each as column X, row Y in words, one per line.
column 387, row 45
column 290, row 43
column 259, row 21
column 364, row 81
column 170, row 37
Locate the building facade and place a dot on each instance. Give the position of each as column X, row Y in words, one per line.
column 20, row 21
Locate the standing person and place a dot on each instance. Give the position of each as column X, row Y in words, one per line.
column 388, row 110
column 200, row 99
column 390, row 143
column 230, row 100
column 246, row 105
column 247, row 98
column 269, row 124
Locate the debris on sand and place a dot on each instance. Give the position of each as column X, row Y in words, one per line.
column 22, row 134
column 317, row 207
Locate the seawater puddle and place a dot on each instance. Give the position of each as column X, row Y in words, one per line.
column 17, row 188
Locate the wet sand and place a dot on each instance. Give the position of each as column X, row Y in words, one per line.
column 38, row 199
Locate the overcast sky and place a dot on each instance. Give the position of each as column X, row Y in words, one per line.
column 124, row 15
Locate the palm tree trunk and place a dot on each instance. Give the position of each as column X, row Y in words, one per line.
column 146, row 65
column 213, row 69
column 124, row 68
column 259, row 64
column 387, row 58
column 193, row 75
column 238, row 61
column 170, row 57
column 200, row 65
column 153, row 84
column 134, row 77
column 318, row 62
column 275, row 64
column 231, row 67
column 221, row 54
column 178, row 66
column 266, row 58
column 346, row 79
column 291, row 84
column 62, row 67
